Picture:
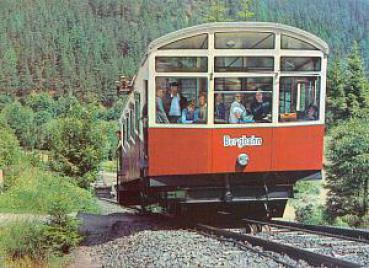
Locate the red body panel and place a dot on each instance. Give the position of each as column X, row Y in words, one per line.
column 178, row 151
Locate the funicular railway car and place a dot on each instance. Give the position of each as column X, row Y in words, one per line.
column 224, row 116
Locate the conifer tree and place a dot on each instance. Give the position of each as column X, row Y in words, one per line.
column 336, row 98
column 348, row 168
column 216, row 11
column 245, row 12
column 357, row 84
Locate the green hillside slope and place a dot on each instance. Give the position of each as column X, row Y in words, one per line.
column 83, row 45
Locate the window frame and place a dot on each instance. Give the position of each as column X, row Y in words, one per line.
column 211, row 53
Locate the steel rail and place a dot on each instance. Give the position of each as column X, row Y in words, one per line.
column 312, row 229
column 358, row 235
column 310, row 257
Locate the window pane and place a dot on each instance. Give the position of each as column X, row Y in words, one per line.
column 131, row 120
column 244, row 84
column 244, row 40
column 243, row 100
column 127, row 129
column 299, row 99
column 138, row 110
column 243, row 64
column 300, row 63
column 181, row 100
column 181, row 64
column 194, row 42
column 289, row 42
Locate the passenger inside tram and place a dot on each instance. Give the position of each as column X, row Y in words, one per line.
column 174, row 102
column 312, row 113
column 219, row 109
column 260, row 108
column 238, row 113
column 202, row 109
column 190, row 114
column 161, row 116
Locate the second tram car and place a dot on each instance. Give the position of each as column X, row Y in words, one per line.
column 224, row 116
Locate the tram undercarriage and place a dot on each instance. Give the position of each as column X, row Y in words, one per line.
column 256, row 195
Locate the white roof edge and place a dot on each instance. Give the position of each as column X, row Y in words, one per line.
column 221, row 26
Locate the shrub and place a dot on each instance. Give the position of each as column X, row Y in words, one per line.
column 23, row 239
column 44, row 188
column 39, row 241
column 310, row 213
column 20, row 119
column 77, row 145
column 10, row 151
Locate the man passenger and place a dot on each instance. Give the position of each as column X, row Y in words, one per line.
column 238, row 113
column 174, row 103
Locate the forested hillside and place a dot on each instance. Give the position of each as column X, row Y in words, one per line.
column 84, row 45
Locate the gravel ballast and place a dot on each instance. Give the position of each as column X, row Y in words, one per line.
column 178, row 248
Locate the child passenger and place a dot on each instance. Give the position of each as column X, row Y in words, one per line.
column 190, row 114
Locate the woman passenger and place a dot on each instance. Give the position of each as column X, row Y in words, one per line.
column 202, row 109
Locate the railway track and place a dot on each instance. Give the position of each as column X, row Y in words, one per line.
column 320, row 246
column 288, row 243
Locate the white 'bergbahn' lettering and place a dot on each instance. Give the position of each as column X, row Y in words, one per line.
column 242, row 142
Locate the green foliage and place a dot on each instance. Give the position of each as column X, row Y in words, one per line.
column 347, row 179
column 336, row 96
column 78, row 143
column 5, row 99
column 83, row 46
column 36, row 191
column 347, row 91
column 38, row 241
column 215, row 11
column 10, row 151
column 245, row 12
column 310, row 213
column 23, row 239
column 308, row 208
column 20, row 119
column 357, row 87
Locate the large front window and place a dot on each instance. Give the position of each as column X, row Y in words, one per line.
column 181, row 100
column 181, row 64
column 299, row 99
column 243, row 100
column 244, row 64
column 244, row 40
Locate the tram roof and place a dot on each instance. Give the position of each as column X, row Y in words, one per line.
column 239, row 26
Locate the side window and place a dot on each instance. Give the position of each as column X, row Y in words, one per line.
column 243, row 100
column 125, row 131
column 288, row 42
column 299, row 99
column 300, row 63
column 181, row 100
column 138, row 111
column 128, row 127
column 194, row 42
column 132, row 120
column 181, row 64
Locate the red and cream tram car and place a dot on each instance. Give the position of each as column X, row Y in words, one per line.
column 224, row 115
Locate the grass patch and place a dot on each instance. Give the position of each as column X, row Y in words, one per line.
column 40, row 244
column 36, row 191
